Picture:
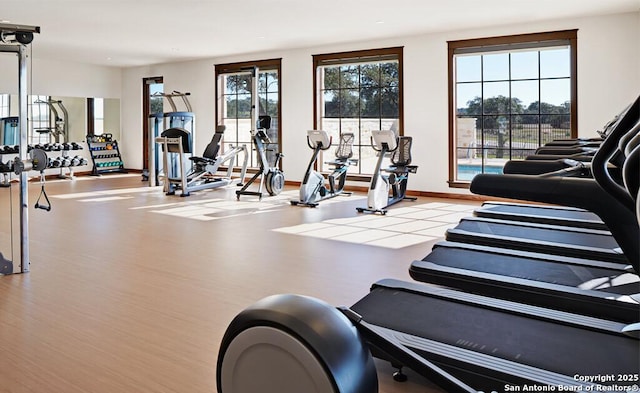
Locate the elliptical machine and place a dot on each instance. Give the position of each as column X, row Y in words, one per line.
column 271, row 177
column 378, row 198
column 312, row 189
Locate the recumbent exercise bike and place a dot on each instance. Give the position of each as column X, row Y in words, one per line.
column 313, row 189
column 378, row 197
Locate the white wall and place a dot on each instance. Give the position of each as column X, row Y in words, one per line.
column 608, row 79
column 65, row 79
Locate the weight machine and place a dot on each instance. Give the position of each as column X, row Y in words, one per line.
column 176, row 143
column 158, row 122
column 14, row 39
column 61, row 124
column 9, row 131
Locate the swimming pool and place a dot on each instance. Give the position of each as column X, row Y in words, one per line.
column 466, row 172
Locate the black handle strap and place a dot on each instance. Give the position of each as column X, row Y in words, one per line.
column 43, row 193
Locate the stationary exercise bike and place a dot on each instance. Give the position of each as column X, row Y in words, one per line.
column 270, row 176
column 378, row 197
column 312, row 189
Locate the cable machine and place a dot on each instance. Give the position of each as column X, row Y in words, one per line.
column 159, row 122
column 14, row 39
column 61, row 123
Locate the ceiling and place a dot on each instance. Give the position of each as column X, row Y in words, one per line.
column 123, row 33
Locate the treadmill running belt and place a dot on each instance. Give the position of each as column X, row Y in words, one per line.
column 585, row 277
column 543, row 344
column 546, row 212
column 543, row 234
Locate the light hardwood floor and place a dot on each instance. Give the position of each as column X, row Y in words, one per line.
column 131, row 290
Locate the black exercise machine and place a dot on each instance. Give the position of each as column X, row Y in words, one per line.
column 591, row 287
column 543, row 214
column 378, row 197
column 602, row 195
column 559, row 215
column 460, row 341
column 271, row 177
column 588, row 287
column 313, row 189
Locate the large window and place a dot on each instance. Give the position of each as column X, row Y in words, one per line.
column 234, row 100
column 508, row 96
column 359, row 92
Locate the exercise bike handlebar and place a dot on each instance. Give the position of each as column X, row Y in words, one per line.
column 384, row 138
column 319, row 144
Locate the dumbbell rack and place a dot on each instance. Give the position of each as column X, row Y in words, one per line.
column 105, row 154
column 63, row 161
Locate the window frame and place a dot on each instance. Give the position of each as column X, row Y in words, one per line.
column 359, row 56
column 263, row 65
column 5, row 105
column 34, row 138
column 484, row 45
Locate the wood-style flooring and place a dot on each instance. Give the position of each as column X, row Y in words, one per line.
column 131, row 290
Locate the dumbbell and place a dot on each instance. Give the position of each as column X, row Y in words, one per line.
column 75, row 146
column 75, row 161
column 55, row 163
column 65, row 161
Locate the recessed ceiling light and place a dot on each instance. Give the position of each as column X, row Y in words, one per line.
column 379, row 22
column 4, row 21
column 261, row 37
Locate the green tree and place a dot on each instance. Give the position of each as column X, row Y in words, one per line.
column 361, row 90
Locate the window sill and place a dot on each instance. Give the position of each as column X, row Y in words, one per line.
column 459, row 184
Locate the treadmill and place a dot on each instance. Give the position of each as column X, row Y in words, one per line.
column 553, row 160
column 462, row 342
column 552, row 239
column 588, row 287
column 560, row 215
column 602, row 195
column 555, row 215
column 490, row 343
column 595, row 288
column 543, row 214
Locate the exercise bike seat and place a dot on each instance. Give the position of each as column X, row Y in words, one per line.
column 401, row 157
column 344, row 151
